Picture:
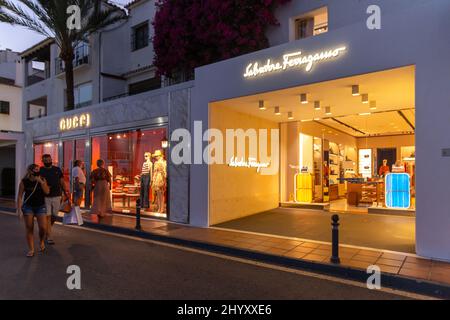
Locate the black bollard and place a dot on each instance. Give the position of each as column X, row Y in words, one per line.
column 335, row 239
column 138, row 215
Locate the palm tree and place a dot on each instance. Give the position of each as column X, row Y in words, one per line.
column 50, row 18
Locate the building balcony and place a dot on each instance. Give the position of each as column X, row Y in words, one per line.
column 82, row 58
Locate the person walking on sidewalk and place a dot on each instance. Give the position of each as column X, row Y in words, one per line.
column 31, row 204
column 55, row 179
column 101, row 181
column 79, row 182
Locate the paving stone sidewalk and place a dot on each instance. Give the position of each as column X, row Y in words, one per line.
column 403, row 264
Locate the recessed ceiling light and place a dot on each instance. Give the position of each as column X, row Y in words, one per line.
column 365, row 114
column 355, row 90
column 304, row 98
column 290, row 116
column 316, row 105
column 365, row 98
column 277, row 111
column 262, row 105
column 307, row 120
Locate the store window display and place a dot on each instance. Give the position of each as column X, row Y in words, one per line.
column 136, row 161
column 159, row 181
column 145, row 180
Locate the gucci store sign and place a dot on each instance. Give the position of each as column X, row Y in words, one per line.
column 291, row 60
column 75, row 122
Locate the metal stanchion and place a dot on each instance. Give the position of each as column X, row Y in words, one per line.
column 138, row 215
column 335, row 239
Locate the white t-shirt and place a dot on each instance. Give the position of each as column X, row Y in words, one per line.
column 77, row 172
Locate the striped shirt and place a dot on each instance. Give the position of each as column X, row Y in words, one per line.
column 147, row 168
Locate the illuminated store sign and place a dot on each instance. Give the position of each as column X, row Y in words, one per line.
column 75, row 122
column 250, row 163
column 291, row 60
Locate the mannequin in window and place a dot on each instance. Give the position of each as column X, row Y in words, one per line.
column 146, row 174
column 159, row 181
column 384, row 169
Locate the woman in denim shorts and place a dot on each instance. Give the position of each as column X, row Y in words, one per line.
column 31, row 204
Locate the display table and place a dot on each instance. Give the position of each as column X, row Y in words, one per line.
column 365, row 192
column 119, row 195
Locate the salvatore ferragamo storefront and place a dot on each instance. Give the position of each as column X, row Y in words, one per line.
column 362, row 118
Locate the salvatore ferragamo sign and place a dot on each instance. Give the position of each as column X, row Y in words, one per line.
column 291, row 60
column 81, row 121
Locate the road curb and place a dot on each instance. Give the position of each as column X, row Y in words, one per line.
column 423, row 287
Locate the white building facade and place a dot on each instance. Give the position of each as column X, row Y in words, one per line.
column 122, row 113
column 403, row 67
column 11, row 136
column 401, row 42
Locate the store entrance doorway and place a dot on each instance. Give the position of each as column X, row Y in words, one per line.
column 334, row 136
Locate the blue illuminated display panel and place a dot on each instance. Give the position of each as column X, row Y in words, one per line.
column 398, row 192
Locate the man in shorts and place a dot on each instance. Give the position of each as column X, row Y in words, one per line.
column 55, row 180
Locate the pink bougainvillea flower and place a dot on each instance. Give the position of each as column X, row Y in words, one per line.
column 192, row 33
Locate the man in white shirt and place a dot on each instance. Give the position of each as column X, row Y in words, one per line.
column 79, row 181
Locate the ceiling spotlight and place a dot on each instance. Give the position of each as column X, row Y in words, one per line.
column 355, row 91
column 365, row 98
column 316, row 105
column 290, row 116
column 328, row 111
column 277, row 111
column 262, row 105
column 373, row 105
column 304, row 98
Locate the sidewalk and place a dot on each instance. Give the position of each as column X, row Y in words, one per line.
column 404, row 268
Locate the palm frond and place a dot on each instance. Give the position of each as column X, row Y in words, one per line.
column 16, row 15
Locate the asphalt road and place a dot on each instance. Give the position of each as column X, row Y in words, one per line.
column 119, row 268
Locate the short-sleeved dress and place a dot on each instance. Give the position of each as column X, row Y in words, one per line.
column 101, row 179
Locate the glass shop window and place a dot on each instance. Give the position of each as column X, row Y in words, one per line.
column 138, row 166
column 50, row 148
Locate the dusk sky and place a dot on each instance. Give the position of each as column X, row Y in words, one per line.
column 19, row 39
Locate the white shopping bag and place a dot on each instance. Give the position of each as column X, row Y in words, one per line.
column 79, row 216
column 73, row 217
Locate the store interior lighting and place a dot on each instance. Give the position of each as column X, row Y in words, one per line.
column 277, row 111
column 365, row 98
column 304, row 98
column 355, row 90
